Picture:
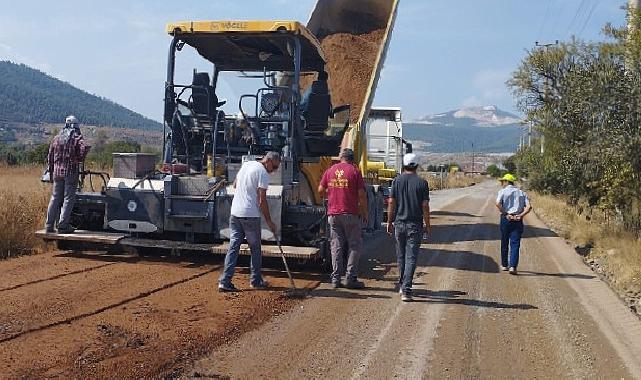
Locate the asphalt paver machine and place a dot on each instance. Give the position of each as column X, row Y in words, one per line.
column 184, row 203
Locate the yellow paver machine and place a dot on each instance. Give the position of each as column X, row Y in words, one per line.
column 184, row 203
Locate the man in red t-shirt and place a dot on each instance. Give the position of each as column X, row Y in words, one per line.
column 345, row 190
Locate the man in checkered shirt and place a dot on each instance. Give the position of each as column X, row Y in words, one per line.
column 66, row 152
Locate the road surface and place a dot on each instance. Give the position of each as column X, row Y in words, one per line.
column 105, row 316
column 469, row 320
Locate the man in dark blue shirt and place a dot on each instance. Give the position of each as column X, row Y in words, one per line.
column 408, row 218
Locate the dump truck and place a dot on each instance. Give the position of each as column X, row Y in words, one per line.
column 185, row 204
column 385, row 143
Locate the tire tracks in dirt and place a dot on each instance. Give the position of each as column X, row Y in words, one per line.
column 408, row 356
column 85, row 270
column 107, row 307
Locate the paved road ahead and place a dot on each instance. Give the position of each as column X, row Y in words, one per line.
column 554, row 320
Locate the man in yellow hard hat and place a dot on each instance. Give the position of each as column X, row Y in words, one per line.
column 513, row 204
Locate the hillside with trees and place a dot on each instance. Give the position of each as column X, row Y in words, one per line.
column 31, row 96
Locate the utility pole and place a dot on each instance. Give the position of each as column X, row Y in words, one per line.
column 472, row 158
column 547, row 85
column 520, row 141
column 633, row 5
column 633, row 19
column 633, row 24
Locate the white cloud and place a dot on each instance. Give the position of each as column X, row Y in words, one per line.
column 472, row 101
column 488, row 87
column 490, row 78
column 392, row 70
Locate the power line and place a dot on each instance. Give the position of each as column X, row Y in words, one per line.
column 576, row 16
column 557, row 18
column 545, row 18
column 589, row 16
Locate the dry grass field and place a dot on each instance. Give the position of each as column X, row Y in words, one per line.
column 614, row 253
column 23, row 204
column 453, row 181
column 24, row 199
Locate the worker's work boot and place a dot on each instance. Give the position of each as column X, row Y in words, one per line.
column 504, row 269
column 49, row 230
column 513, row 270
column 260, row 285
column 406, row 297
column 336, row 284
column 66, row 230
column 354, row 284
column 227, row 288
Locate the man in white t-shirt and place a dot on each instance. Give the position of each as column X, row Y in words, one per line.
column 249, row 202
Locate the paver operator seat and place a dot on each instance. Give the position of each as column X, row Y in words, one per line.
column 317, row 107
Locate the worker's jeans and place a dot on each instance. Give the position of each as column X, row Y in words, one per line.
column 243, row 228
column 511, row 232
column 61, row 203
column 408, row 244
column 345, row 228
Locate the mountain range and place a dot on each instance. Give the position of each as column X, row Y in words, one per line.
column 481, row 129
column 28, row 95
column 483, row 116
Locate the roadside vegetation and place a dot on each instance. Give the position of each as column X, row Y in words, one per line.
column 452, row 181
column 99, row 156
column 584, row 101
column 609, row 250
column 24, row 204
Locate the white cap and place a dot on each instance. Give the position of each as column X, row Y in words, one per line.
column 410, row 159
column 71, row 120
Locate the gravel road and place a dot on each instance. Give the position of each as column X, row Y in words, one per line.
column 104, row 316
column 469, row 320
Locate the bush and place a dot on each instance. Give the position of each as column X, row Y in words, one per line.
column 494, row 171
column 24, row 205
column 23, row 154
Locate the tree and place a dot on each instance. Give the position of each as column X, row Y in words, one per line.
column 102, row 155
column 494, row 171
column 585, row 100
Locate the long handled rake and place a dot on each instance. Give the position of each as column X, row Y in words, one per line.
column 292, row 291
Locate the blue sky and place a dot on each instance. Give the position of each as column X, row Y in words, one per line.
column 444, row 54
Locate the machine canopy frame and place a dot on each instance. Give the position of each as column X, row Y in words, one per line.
column 250, row 45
